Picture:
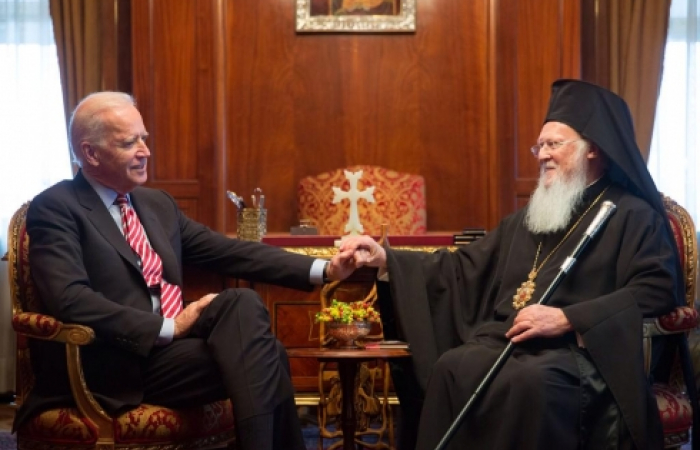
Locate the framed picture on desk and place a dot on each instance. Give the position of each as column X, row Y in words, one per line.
column 372, row 16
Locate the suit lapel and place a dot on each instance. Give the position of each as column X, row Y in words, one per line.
column 102, row 219
column 158, row 238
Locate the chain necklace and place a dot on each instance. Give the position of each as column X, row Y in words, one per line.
column 527, row 288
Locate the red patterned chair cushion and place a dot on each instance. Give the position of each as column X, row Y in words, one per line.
column 676, row 414
column 144, row 425
column 399, row 201
column 149, row 423
column 683, row 318
column 37, row 325
column 674, row 406
column 62, row 425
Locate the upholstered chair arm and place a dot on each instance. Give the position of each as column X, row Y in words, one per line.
column 683, row 319
column 680, row 320
column 40, row 326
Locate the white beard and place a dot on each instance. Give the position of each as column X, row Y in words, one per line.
column 551, row 208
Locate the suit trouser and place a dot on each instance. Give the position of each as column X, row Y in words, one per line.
column 230, row 353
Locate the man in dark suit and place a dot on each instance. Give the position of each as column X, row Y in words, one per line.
column 219, row 346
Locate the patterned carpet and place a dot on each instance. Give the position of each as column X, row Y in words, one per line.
column 7, row 413
column 7, row 441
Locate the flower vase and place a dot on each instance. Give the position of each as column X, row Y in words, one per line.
column 346, row 333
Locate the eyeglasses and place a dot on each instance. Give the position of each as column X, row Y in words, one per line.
column 551, row 145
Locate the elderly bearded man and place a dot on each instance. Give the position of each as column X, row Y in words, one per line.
column 575, row 379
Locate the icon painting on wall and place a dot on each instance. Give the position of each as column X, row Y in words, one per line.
column 374, row 16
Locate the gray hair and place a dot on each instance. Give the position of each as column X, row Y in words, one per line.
column 86, row 122
column 583, row 145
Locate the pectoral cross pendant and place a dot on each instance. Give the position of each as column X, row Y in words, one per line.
column 525, row 291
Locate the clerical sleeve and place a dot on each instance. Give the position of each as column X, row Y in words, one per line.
column 436, row 298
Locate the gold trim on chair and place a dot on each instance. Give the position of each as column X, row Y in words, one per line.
column 88, row 426
column 690, row 246
column 329, row 252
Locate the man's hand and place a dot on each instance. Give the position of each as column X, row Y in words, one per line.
column 538, row 321
column 355, row 252
column 188, row 316
column 364, row 251
column 341, row 266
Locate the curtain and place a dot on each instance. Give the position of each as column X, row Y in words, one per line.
column 79, row 43
column 637, row 40
column 34, row 145
column 674, row 153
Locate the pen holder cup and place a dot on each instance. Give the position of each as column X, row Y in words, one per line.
column 252, row 224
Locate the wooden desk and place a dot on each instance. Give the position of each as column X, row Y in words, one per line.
column 424, row 242
column 348, row 361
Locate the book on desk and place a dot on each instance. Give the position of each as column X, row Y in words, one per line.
column 387, row 345
column 468, row 235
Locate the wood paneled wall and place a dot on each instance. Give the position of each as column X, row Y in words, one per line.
column 235, row 99
column 537, row 42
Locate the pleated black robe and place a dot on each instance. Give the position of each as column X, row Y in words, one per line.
column 455, row 307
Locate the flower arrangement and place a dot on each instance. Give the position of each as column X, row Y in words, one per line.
column 343, row 312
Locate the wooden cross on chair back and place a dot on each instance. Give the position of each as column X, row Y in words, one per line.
column 85, row 425
column 399, row 199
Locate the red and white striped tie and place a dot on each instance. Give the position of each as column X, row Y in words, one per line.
column 152, row 266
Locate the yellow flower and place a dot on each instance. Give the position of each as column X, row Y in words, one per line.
column 348, row 312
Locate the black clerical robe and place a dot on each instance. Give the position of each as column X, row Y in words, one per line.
column 454, row 308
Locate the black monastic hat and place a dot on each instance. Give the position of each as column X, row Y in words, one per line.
column 603, row 118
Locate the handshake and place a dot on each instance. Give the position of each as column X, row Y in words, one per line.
column 355, row 252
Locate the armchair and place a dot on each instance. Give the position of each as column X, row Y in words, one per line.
column 399, row 200
column 672, row 399
column 85, row 425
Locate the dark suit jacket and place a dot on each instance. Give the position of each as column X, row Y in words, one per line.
column 86, row 273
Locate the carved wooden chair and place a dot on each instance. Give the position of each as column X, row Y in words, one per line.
column 671, row 395
column 399, row 199
column 86, row 425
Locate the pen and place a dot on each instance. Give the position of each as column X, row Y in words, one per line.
column 258, row 198
column 238, row 201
